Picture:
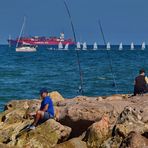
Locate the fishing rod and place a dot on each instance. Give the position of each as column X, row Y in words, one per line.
column 77, row 53
column 110, row 60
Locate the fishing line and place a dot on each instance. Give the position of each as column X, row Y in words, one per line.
column 110, row 60
column 77, row 53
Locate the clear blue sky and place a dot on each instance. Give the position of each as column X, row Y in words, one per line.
column 122, row 20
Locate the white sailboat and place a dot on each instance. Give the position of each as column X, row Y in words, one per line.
column 9, row 41
column 78, row 45
column 121, row 46
column 143, row 46
column 95, row 47
column 24, row 47
column 66, row 46
column 132, row 46
column 84, row 46
column 60, row 46
column 108, row 46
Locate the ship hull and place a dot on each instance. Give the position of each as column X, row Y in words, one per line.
column 29, row 42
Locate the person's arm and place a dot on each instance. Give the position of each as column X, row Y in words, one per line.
column 45, row 108
column 146, row 79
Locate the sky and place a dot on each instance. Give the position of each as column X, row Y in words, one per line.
column 122, row 20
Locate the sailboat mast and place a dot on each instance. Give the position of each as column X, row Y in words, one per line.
column 21, row 31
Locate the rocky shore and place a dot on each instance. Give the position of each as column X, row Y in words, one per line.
column 83, row 122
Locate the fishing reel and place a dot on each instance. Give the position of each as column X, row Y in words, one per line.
column 80, row 90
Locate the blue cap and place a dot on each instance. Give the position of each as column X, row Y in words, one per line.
column 43, row 90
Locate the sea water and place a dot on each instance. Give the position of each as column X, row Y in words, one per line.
column 22, row 75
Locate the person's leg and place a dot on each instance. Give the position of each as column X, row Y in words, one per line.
column 39, row 116
column 135, row 91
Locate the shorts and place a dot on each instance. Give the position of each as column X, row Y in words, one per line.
column 45, row 118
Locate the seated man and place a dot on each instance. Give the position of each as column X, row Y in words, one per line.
column 46, row 109
column 141, row 82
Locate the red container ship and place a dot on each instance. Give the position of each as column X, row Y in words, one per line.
column 41, row 41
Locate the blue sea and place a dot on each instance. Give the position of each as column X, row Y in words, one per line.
column 22, row 75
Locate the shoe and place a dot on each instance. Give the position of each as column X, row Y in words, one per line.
column 32, row 127
column 28, row 126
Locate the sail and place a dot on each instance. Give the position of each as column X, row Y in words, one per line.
column 78, row 45
column 66, row 46
column 84, row 46
column 60, row 46
column 9, row 41
column 120, row 46
column 95, row 46
column 62, row 36
column 132, row 46
column 108, row 46
column 143, row 46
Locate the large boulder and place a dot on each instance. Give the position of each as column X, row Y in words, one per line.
column 79, row 113
column 130, row 120
column 15, row 119
column 134, row 140
column 9, row 131
column 20, row 104
column 56, row 97
column 46, row 135
column 98, row 132
column 82, row 112
column 72, row 143
column 11, row 122
column 112, row 142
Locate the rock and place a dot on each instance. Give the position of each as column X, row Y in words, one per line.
column 15, row 104
column 5, row 146
column 130, row 120
column 119, row 105
column 73, row 143
column 32, row 109
column 134, row 140
column 114, row 97
column 97, row 133
column 21, row 107
column 145, row 117
column 14, row 116
column 46, row 135
column 112, row 142
column 79, row 115
column 56, row 97
column 76, row 116
column 9, row 131
column 14, row 119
